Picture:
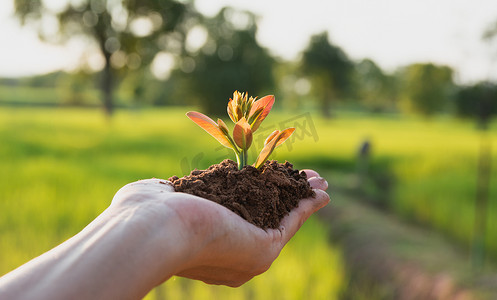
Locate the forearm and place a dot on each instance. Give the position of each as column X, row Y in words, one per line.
column 114, row 257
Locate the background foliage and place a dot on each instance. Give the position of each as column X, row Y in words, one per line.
column 414, row 142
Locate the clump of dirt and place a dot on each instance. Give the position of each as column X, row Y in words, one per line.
column 260, row 196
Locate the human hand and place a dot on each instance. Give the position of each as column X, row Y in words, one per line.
column 239, row 250
column 219, row 247
column 150, row 233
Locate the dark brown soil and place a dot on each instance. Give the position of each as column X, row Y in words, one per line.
column 261, row 196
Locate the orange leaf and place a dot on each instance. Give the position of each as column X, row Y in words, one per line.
column 230, row 111
column 221, row 125
column 271, row 137
column 274, row 140
column 242, row 134
column 266, row 103
column 210, row 126
column 238, row 113
column 255, row 114
column 250, row 102
column 265, row 152
column 284, row 135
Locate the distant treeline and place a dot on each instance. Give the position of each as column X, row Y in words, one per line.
column 182, row 57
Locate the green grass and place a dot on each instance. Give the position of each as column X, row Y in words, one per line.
column 47, row 96
column 42, row 95
column 434, row 163
column 59, row 169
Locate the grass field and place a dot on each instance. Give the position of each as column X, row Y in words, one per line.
column 59, row 168
column 45, row 96
column 434, row 163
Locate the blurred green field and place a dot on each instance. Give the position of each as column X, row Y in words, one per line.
column 60, row 167
column 433, row 163
column 47, row 96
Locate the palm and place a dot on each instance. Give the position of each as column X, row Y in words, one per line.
column 229, row 249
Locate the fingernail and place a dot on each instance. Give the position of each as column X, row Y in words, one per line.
column 318, row 183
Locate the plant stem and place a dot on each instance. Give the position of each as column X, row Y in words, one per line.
column 241, row 159
column 238, row 160
column 245, row 157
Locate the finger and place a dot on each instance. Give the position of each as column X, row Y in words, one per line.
column 291, row 223
column 310, row 173
column 318, row 183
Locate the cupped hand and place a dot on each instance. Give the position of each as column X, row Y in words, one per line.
column 221, row 247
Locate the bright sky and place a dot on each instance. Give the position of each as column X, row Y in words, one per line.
column 391, row 32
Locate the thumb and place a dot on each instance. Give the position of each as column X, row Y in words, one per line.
column 291, row 223
column 142, row 190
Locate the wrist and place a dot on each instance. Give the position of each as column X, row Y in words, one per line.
column 173, row 223
column 158, row 241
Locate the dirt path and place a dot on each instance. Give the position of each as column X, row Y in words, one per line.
column 402, row 261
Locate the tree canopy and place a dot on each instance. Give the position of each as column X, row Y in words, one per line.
column 478, row 101
column 126, row 33
column 375, row 89
column 427, row 87
column 230, row 59
column 328, row 67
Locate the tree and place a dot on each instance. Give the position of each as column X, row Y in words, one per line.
column 329, row 68
column 377, row 90
column 427, row 87
column 478, row 101
column 127, row 33
column 230, row 59
column 490, row 32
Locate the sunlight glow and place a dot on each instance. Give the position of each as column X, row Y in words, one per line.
column 392, row 33
column 162, row 65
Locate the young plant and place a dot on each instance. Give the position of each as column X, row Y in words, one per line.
column 247, row 114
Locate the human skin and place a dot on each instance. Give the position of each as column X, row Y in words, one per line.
column 150, row 233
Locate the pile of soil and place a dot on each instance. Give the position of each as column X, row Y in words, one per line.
column 260, row 196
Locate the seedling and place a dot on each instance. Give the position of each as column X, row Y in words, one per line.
column 247, row 114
